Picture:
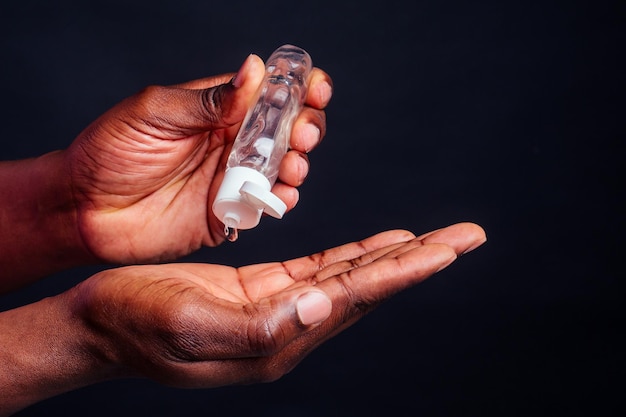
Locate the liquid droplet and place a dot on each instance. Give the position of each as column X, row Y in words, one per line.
column 231, row 233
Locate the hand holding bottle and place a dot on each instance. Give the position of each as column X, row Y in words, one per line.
column 144, row 175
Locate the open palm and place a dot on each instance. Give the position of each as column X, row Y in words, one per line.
column 199, row 325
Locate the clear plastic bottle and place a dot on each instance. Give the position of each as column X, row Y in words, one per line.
column 262, row 142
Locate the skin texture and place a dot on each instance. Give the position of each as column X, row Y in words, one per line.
column 146, row 171
column 202, row 326
column 136, row 187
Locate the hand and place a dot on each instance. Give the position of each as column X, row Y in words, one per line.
column 196, row 325
column 144, row 175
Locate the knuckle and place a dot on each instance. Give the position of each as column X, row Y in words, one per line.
column 211, row 104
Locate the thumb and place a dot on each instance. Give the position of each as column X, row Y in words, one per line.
column 177, row 112
column 226, row 104
column 273, row 322
column 313, row 307
column 259, row 328
column 295, row 310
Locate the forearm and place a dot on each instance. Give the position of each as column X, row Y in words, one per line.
column 38, row 233
column 45, row 350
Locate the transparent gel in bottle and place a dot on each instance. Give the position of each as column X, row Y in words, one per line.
column 261, row 144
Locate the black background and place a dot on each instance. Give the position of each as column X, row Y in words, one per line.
column 509, row 114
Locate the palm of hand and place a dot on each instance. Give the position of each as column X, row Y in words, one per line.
column 143, row 174
column 138, row 189
column 199, row 325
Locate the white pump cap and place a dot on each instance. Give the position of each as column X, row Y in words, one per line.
column 243, row 196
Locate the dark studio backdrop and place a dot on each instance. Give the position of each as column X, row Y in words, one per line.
column 509, row 114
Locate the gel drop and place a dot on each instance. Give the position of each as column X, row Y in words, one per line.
column 262, row 142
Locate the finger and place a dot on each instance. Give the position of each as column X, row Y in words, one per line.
column 288, row 194
column 294, row 168
column 463, row 237
column 203, row 83
column 385, row 252
column 179, row 112
column 308, row 129
column 229, row 102
column 358, row 291
column 306, row 267
column 320, row 89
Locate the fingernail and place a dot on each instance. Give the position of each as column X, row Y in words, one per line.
column 326, row 93
column 303, row 168
column 237, row 80
column 311, row 137
column 313, row 307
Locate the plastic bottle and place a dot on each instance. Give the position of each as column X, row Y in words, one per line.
column 262, row 142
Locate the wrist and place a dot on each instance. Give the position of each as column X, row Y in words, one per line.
column 48, row 350
column 38, row 220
